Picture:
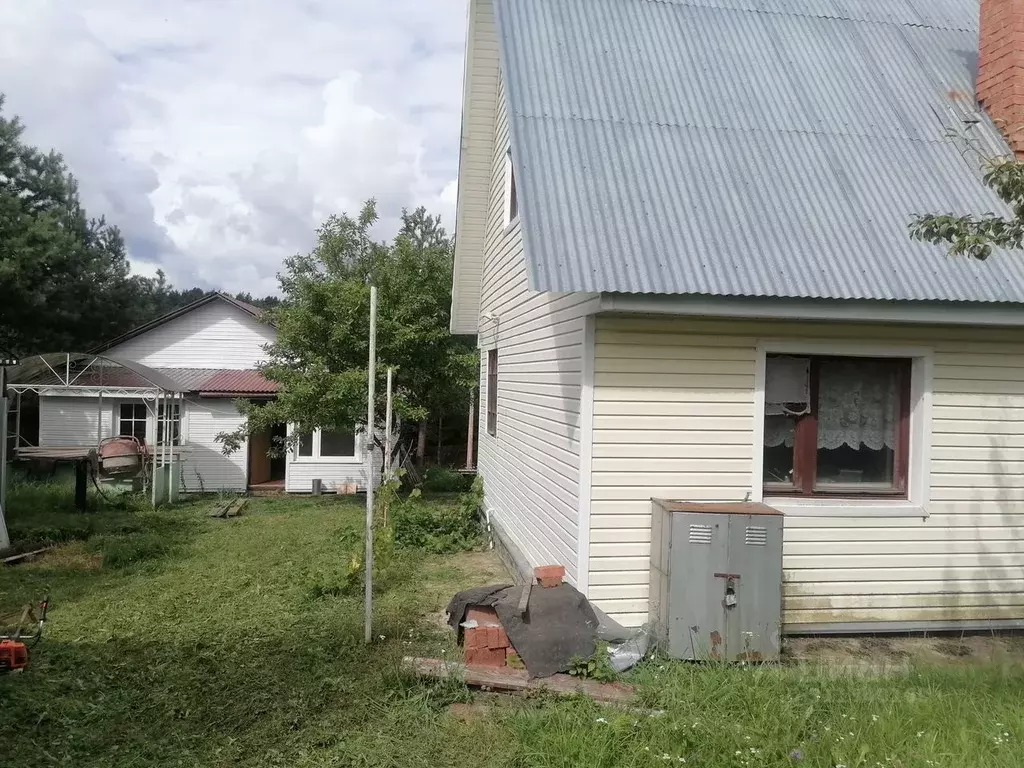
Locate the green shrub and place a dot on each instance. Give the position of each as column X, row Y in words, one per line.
column 442, row 480
column 597, row 667
column 347, row 575
column 438, row 527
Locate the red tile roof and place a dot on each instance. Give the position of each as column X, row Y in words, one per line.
column 223, row 383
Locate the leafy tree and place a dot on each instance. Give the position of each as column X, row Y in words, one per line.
column 322, row 348
column 976, row 236
column 263, row 302
column 63, row 274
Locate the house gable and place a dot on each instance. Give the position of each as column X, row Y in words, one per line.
column 478, row 120
column 214, row 333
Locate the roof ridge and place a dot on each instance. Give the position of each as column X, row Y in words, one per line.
column 821, row 13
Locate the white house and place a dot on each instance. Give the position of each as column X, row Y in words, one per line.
column 682, row 242
column 209, row 349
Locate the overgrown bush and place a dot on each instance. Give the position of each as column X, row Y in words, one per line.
column 348, row 575
column 437, row 527
column 443, row 480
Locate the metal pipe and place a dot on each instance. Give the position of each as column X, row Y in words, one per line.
column 470, row 433
column 5, row 540
column 17, row 422
column 152, row 474
column 371, row 374
column 387, row 431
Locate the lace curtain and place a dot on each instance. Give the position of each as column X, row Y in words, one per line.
column 858, row 403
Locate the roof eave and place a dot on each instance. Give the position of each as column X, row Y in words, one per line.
column 819, row 310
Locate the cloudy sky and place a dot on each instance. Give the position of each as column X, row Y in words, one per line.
column 218, row 133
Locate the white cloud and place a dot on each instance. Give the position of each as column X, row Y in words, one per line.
column 219, row 134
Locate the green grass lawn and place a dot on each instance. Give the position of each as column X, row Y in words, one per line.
column 178, row 640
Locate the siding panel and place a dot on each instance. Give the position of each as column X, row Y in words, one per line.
column 674, row 417
column 475, row 164
column 216, row 335
column 206, row 468
column 531, row 466
column 73, row 421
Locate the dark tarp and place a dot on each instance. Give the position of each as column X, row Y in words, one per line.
column 559, row 623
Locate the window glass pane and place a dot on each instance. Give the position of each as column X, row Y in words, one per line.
column 132, row 420
column 175, row 415
column 306, row 444
column 513, row 201
column 858, row 422
column 337, row 443
column 778, row 449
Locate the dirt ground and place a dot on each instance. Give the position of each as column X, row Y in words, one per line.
column 898, row 652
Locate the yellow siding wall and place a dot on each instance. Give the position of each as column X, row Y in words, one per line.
column 531, row 466
column 477, row 148
column 673, row 417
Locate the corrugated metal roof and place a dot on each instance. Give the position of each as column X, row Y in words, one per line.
column 237, row 383
column 748, row 147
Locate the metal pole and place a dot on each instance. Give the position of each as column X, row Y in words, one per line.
column 387, row 431
column 152, row 456
column 163, row 449
column 371, row 375
column 17, row 422
column 99, row 421
column 470, row 434
column 5, row 540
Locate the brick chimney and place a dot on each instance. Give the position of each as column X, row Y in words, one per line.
column 1000, row 87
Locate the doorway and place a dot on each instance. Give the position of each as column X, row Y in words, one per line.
column 264, row 469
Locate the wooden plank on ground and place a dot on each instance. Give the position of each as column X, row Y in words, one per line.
column 507, row 679
column 232, row 508
column 26, row 555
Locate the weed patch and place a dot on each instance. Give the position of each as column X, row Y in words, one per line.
column 439, row 527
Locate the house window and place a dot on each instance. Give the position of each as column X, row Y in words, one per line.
column 336, row 443
column 132, row 420
column 327, row 444
column 492, row 392
column 175, row 423
column 836, row 426
column 511, row 198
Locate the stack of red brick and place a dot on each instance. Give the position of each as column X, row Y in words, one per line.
column 486, row 644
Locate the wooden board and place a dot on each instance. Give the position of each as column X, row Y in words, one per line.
column 233, row 508
column 507, row 679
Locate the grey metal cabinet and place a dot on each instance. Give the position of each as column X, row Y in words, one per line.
column 716, row 580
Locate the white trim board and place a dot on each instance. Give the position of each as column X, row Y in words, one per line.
column 586, row 455
column 918, row 479
column 848, row 311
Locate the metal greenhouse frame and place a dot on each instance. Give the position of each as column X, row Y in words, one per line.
column 85, row 375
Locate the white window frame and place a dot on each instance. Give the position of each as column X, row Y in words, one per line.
column 316, row 458
column 507, row 216
column 919, row 472
column 157, row 421
column 150, row 422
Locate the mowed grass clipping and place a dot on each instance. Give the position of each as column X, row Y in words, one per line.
column 221, row 650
